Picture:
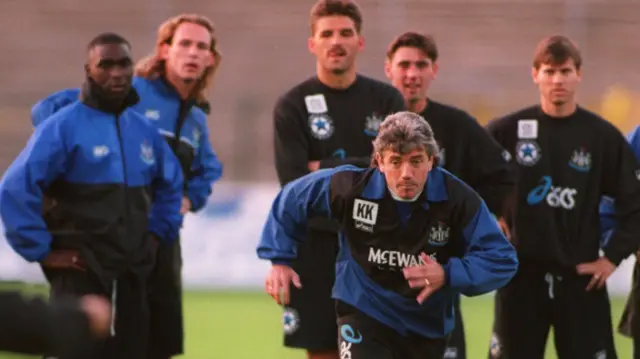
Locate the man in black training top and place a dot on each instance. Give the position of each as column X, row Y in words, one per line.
column 569, row 158
column 328, row 120
column 466, row 149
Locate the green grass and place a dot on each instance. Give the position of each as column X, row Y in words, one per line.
column 239, row 325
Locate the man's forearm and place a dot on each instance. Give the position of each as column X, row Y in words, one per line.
column 35, row 327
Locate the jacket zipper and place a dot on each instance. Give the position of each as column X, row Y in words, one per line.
column 114, row 289
column 183, row 111
column 124, row 174
column 124, row 163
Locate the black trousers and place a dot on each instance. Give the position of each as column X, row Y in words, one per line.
column 128, row 295
column 166, row 337
column 533, row 301
column 310, row 318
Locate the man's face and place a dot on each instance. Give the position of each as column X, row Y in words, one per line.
column 411, row 72
column 557, row 83
column 189, row 54
column 405, row 174
column 111, row 67
column 336, row 43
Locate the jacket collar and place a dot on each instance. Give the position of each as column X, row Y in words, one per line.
column 434, row 191
column 93, row 96
column 165, row 87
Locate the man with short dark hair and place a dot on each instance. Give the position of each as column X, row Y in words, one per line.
column 115, row 190
column 325, row 121
column 466, row 149
column 568, row 158
column 172, row 82
column 412, row 238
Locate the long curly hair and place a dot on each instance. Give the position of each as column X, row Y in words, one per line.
column 153, row 65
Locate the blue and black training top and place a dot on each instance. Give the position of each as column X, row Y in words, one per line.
column 182, row 123
column 379, row 236
column 110, row 179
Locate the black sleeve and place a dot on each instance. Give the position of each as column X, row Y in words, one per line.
column 493, row 172
column 621, row 180
column 394, row 102
column 332, row 162
column 31, row 326
column 290, row 142
column 496, row 129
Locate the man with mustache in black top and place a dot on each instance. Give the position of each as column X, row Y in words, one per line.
column 325, row 121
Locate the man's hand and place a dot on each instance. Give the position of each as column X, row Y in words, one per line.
column 279, row 280
column 313, row 166
column 64, row 259
column 186, row 205
column 429, row 276
column 600, row 270
column 98, row 310
column 502, row 223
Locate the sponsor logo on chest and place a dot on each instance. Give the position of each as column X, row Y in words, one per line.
column 365, row 214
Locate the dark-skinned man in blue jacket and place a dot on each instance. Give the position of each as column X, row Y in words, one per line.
column 172, row 84
column 412, row 238
column 114, row 190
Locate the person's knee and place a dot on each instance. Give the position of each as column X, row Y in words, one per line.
column 327, row 354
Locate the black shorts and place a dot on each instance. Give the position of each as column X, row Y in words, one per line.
column 129, row 335
column 166, row 337
column 362, row 337
column 534, row 300
column 310, row 319
column 457, row 346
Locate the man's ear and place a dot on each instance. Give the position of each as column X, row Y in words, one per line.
column 164, row 51
column 387, row 68
column 379, row 162
column 534, row 75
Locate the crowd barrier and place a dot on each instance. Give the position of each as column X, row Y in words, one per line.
column 218, row 244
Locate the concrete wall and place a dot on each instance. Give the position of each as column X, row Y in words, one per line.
column 486, row 50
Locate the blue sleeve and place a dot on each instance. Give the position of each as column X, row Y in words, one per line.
column 286, row 226
column 165, row 219
column 206, row 170
column 21, row 190
column 48, row 106
column 634, row 139
column 607, row 204
column 607, row 219
column 490, row 260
